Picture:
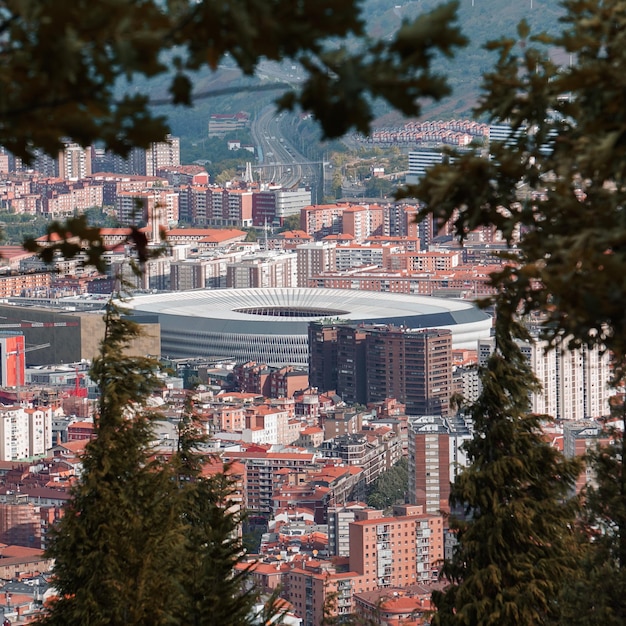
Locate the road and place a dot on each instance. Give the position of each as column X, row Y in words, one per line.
column 280, row 162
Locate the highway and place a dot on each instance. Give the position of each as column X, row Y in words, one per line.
column 280, row 163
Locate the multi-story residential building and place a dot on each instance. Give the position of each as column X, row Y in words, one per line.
column 74, row 162
column 15, row 425
column 261, row 471
column 36, row 283
column 372, row 363
column 412, row 366
column 435, row 457
column 312, row 586
column 363, row 221
column 79, row 197
column 162, row 154
column 373, row 454
column 575, row 383
column 40, row 429
column 466, row 282
column 357, row 255
column 351, row 380
column 222, row 123
column 323, row 355
column 396, row 551
column 339, row 520
column 263, row 270
column 313, row 259
column 188, row 274
column 322, row 220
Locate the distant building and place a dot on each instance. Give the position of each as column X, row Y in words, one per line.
column 162, row 154
column 222, row 123
column 271, row 207
column 575, row 383
column 420, row 161
column 370, row 363
column 435, row 457
column 74, row 162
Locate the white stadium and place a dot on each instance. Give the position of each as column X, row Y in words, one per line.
column 271, row 325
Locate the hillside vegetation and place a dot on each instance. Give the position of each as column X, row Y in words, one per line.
column 486, row 20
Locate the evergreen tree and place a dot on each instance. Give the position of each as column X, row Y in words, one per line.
column 210, row 521
column 597, row 596
column 515, row 541
column 146, row 540
column 113, row 547
column 556, row 189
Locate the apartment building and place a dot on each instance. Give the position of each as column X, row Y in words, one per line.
column 396, row 551
column 261, row 471
column 74, row 162
column 24, row 433
column 313, row 259
column 575, row 383
column 263, row 270
column 435, row 457
column 412, row 366
column 162, row 154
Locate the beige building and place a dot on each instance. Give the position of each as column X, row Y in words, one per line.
column 66, row 337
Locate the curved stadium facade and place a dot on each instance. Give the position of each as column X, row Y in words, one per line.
column 271, row 325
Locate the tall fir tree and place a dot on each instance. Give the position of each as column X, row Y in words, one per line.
column 113, row 548
column 556, row 190
column 210, row 520
column 516, row 538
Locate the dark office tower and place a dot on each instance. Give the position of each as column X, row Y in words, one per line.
column 323, row 355
column 351, row 366
column 412, row 366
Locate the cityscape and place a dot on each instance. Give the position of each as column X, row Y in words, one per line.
column 320, row 355
column 312, row 313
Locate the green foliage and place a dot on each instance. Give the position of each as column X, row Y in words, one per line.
column 112, row 549
column 291, row 222
column 16, row 227
column 144, row 540
column 62, row 67
column 567, row 200
column 555, row 190
column 515, row 541
column 598, row 594
column 390, row 487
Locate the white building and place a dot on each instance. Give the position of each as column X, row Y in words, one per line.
column 575, row 383
column 24, row 432
column 419, row 162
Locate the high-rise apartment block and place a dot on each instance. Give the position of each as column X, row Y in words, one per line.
column 371, row 363
column 74, row 162
column 313, row 258
column 263, row 270
column 384, row 553
column 435, row 456
column 575, row 383
column 162, row 154
column 396, row 551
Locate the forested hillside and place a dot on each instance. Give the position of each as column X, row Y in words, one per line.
column 480, row 20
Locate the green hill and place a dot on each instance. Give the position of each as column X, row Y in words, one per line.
column 480, row 20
